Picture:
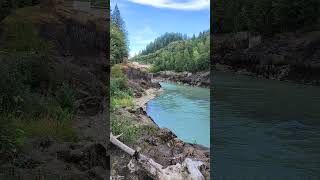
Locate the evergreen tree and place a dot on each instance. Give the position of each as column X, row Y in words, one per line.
column 163, row 41
column 119, row 22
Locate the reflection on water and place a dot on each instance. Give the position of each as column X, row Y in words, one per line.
column 265, row 128
column 184, row 110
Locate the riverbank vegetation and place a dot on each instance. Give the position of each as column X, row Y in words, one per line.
column 120, row 92
column 176, row 52
column 33, row 103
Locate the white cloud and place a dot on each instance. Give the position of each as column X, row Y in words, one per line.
column 139, row 39
column 174, row 4
column 144, row 36
column 132, row 54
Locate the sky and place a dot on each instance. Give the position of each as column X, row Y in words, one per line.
column 148, row 19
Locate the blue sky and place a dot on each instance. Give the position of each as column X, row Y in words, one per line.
column 147, row 19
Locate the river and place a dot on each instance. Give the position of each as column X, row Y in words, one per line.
column 264, row 129
column 185, row 110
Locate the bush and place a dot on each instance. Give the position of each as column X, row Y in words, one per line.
column 153, row 69
column 121, row 93
column 129, row 129
column 32, row 102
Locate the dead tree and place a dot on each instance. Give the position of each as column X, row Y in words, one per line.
column 188, row 170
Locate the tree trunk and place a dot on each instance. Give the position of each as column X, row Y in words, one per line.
column 188, row 170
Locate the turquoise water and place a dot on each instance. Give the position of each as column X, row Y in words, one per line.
column 265, row 129
column 185, row 110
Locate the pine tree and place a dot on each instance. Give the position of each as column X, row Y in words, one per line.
column 119, row 22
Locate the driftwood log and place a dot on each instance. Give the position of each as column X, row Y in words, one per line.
column 188, row 170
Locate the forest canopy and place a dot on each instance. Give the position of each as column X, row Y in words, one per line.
column 188, row 54
column 163, row 41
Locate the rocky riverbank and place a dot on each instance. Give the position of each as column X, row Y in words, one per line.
column 287, row 57
column 199, row 79
column 162, row 145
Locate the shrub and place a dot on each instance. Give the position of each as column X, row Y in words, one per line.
column 130, row 130
column 32, row 103
column 121, row 93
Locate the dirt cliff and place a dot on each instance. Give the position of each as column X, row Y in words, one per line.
column 288, row 56
column 78, row 58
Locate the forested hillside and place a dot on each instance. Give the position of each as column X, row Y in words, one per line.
column 183, row 55
column 266, row 16
column 163, row 41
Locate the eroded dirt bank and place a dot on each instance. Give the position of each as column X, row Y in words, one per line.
column 288, row 56
column 157, row 143
column 78, row 59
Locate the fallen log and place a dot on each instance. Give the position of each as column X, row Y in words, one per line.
column 188, row 170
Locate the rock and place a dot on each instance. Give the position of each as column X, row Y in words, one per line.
column 166, row 134
column 197, row 79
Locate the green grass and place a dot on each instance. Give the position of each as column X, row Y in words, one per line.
column 130, row 130
column 122, row 102
column 60, row 130
column 33, row 103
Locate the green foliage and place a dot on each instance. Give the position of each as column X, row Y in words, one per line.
column 129, row 129
column 118, row 46
column 32, row 102
column 121, row 93
column 163, row 41
column 119, row 43
column 152, row 69
column 265, row 16
column 186, row 55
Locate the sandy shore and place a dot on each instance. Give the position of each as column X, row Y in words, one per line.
column 149, row 95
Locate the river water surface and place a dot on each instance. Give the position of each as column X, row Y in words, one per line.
column 185, row 110
column 265, row 129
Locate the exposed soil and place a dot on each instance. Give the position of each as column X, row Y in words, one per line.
column 288, row 56
column 79, row 58
column 199, row 79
